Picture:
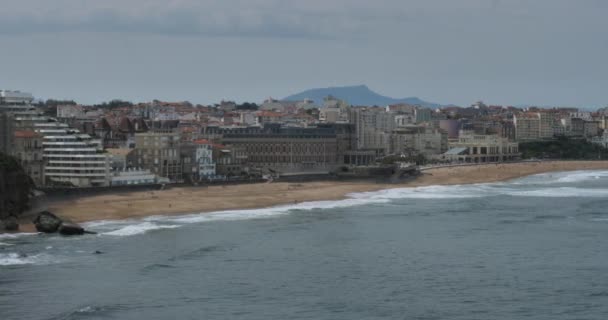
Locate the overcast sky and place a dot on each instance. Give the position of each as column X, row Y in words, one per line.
column 543, row 52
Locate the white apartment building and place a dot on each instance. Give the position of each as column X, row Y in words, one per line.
column 72, row 158
column 15, row 97
column 533, row 126
column 372, row 125
column 204, row 160
column 17, row 103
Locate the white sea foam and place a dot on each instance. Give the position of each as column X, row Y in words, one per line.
column 563, row 177
column 430, row 192
column 560, row 192
column 15, row 235
column 269, row 212
column 86, row 309
column 13, row 258
column 139, row 228
column 108, row 223
column 580, row 176
column 533, row 186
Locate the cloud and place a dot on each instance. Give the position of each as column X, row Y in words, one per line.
column 268, row 18
column 315, row 19
column 326, row 19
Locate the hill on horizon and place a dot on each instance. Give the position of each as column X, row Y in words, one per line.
column 359, row 95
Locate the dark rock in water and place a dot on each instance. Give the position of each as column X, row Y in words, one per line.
column 47, row 222
column 89, row 232
column 10, row 224
column 70, row 229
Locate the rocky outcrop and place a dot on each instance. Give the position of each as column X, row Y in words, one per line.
column 15, row 190
column 10, row 224
column 47, row 222
column 70, row 229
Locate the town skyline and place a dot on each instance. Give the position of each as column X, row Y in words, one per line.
column 317, row 91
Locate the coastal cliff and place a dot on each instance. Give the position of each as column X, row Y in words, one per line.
column 15, row 189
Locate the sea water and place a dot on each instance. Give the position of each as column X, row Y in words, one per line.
column 532, row 248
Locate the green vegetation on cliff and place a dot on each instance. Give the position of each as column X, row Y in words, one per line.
column 563, row 148
column 15, row 187
column 9, row 163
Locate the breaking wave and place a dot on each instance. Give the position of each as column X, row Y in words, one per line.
column 16, row 235
column 561, row 192
column 532, row 186
column 13, row 258
column 138, row 229
column 567, row 177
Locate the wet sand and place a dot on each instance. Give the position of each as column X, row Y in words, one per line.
column 186, row 200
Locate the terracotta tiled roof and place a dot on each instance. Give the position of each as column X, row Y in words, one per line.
column 268, row 114
column 25, row 134
column 218, row 146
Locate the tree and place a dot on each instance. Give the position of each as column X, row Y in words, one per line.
column 563, row 148
column 247, row 106
column 114, row 104
column 15, row 187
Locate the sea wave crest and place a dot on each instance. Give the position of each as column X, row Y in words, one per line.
column 139, row 228
column 14, row 258
column 533, row 186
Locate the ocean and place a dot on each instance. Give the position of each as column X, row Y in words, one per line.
column 531, row 248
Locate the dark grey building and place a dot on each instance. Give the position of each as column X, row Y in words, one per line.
column 288, row 150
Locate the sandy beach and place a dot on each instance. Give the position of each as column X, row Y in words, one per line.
column 185, row 200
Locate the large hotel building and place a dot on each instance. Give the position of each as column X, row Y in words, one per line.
column 69, row 158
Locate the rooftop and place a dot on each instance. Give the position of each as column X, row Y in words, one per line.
column 26, row 134
column 456, row 151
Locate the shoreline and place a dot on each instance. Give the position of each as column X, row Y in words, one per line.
column 194, row 200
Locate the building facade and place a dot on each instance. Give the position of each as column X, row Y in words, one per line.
column 158, row 150
column 15, row 97
column 289, row 150
column 473, row 148
column 415, row 140
column 531, row 126
column 423, row 115
column 72, row 158
column 28, row 149
column 371, row 125
column 128, row 177
column 204, row 160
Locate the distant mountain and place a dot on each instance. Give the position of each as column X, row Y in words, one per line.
column 357, row 96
